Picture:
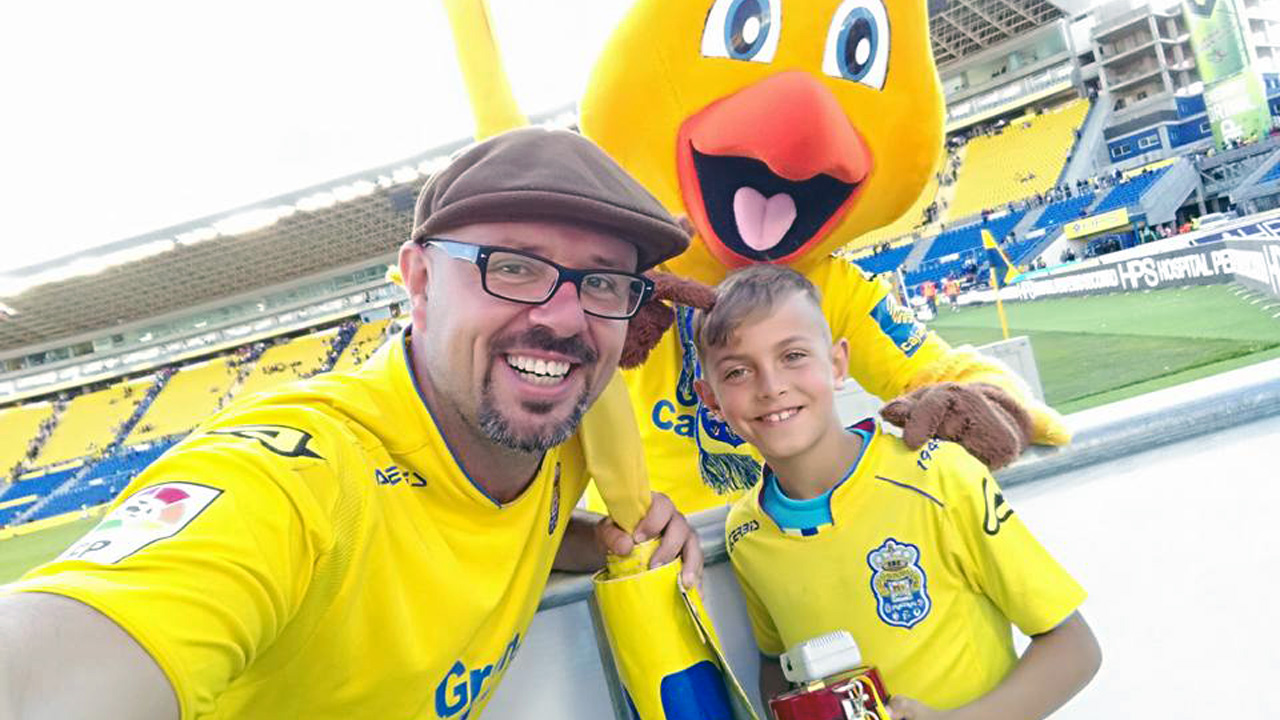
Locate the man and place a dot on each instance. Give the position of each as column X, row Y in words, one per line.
column 375, row 544
column 930, row 291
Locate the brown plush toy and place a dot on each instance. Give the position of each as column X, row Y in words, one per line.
column 656, row 316
column 985, row 419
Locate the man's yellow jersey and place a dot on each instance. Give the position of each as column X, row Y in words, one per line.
column 317, row 552
column 697, row 460
column 924, row 563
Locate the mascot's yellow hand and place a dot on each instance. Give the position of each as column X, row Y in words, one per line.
column 1049, row 427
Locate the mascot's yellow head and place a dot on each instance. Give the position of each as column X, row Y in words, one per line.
column 782, row 128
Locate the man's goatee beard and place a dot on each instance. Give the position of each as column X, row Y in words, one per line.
column 497, row 427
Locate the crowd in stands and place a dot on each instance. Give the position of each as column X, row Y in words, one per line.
column 346, row 331
column 45, row 430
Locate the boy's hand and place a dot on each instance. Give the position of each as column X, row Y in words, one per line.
column 664, row 521
column 989, row 422
column 904, row 708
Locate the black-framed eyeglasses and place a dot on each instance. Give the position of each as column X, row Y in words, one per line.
column 527, row 278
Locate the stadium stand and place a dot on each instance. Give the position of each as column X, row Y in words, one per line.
column 91, row 422
column 886, row 261
column 164, row 412
column 1272, row 174
column 950, row 250
column 1024, row 159
column 193, row 394
column 20, row 423
column 969, row 237
column 1064, row 211
column 19, row 496
column 101, row 483
column 1128, row 192
column 367, row 339
column 298, row 358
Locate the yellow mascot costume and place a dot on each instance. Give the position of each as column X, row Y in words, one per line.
column 783, row 129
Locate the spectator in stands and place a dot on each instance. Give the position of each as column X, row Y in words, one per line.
column 374, row 545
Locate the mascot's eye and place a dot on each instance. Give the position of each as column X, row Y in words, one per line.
column 743, row 30
column 858, row 43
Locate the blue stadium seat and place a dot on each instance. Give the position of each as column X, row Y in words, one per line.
column 885, row 261
column 1128, row 192
column 1272, row 174
column 969, row 237
column 1063, row 211
column 102, row 482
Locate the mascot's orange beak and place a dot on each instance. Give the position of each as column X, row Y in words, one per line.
column 768, row 171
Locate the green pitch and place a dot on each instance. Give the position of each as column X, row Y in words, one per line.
column 1096, row 350
column 26, row 551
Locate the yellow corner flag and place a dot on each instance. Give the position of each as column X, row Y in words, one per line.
column 994, row 256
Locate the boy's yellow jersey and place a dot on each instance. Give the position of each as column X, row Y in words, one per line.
column 317, row 552
column 925, row 564
column 697, row 460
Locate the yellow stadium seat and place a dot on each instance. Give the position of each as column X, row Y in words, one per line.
column 91, row 421
column 367, row 339
column 299, row 358
column 18, row 426
column 1025, row 159
column 193, row 394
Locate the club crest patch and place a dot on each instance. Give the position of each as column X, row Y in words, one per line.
column 156, row 513
column 899, row 583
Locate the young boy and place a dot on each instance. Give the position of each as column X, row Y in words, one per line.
column 915, row 553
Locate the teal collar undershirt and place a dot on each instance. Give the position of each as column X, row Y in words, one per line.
column 806, row 516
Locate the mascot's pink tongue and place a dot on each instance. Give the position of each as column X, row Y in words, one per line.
column 762, row 221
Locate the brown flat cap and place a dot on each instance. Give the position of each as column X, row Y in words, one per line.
column 555, row 175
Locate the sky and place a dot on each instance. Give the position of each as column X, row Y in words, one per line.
column 126, row 117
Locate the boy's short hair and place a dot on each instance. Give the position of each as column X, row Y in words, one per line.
column 750, row 291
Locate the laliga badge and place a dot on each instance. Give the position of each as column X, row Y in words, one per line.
column 148, row 516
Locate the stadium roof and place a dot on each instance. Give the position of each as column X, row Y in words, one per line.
column 337, row 224
column 960, row 28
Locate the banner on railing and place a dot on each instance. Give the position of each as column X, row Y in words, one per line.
column 1096, row 223
column 1254, row 263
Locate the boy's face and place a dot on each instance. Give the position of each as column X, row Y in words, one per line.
column 774, row 382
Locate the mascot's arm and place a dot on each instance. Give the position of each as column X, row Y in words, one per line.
column 492, row 102
column 610, row 443
column 891, row 354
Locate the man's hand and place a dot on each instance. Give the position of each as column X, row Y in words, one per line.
column 986, row 420
column 664, row 521
column 904, row 708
